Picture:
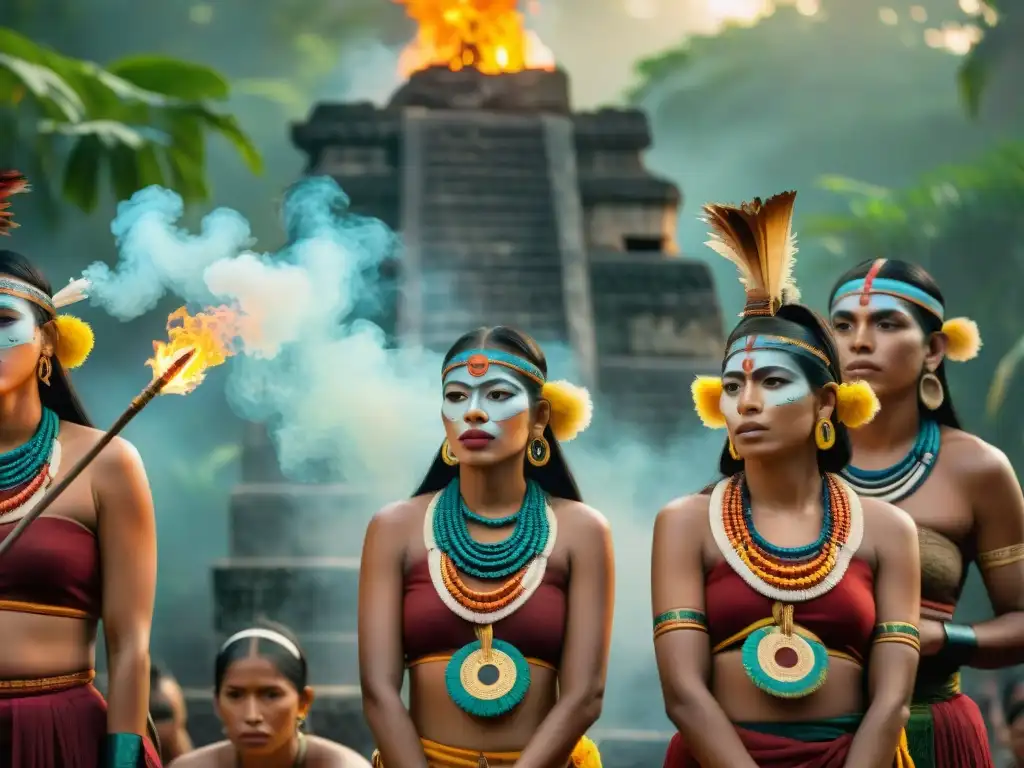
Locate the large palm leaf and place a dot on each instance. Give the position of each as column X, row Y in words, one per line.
column 143, row 119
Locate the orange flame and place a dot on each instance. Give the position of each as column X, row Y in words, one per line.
column 212, row 333
column 487, row 35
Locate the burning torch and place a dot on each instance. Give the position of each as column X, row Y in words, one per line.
column 196, row 342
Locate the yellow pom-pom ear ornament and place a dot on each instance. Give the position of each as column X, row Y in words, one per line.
column 75, row 340
column 707, row 393
column 963, row 339
column 856, row 404
column 571, row 409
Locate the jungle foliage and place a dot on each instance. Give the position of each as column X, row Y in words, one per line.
column 140, row 120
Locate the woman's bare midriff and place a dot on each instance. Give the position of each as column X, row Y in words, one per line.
column 438, row 718
column 37, row 646
column 743, row 702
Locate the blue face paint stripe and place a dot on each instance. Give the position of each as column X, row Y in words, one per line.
column 889, row 287
column 776, row 343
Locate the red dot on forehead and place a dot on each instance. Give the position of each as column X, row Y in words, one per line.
column 478, row 365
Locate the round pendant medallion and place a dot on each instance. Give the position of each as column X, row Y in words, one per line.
column 487, row 684
column 786, row 666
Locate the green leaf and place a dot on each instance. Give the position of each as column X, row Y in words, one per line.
column 51, row 91
column 187, row 176
column 228, row 127
column 171, row 77
column 1002, row 378
column 972, row 77
column 846, row 185
column 81, row 173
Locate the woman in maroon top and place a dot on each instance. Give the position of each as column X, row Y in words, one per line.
column 90, row 557
column 494, row 583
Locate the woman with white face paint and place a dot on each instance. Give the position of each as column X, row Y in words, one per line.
column 493, row 585
column 888, row 317
column 775, row 593
column 90, row 557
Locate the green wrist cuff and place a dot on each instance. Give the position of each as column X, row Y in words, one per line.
column 961, row 644
column 123, row 750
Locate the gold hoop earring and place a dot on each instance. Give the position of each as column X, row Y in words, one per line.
column 929, row 390
column 538, row 452
column 824, row 434
column 44, row 369
column 447, row 456
column 732, row 451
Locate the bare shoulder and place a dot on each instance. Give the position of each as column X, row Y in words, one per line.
column 975, row 461
column 328, row 754
column 579, row 517
column 210, row 756
column 890, row 526
column 686, row 515
column 398, row 515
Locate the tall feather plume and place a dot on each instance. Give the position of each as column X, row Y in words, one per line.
column 758, row 238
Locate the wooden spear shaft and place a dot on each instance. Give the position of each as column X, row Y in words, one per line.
column 141, row 401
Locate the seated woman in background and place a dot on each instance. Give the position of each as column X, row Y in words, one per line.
column 262, row 697
column 785, row 607
column 170, row 717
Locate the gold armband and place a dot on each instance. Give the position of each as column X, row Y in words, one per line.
column 997, row 558
column 682, row 618
column 898, row 632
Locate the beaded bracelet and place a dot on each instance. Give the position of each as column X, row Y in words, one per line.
column 683, row 618
column 898, row 632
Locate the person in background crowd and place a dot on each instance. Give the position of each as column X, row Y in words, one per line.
column 262, row 697
column 170, row 716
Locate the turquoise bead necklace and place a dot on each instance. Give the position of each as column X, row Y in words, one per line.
column 903, row 478
column 790, row 554
column 501, row 558
column 490, row 522
column 19, row 465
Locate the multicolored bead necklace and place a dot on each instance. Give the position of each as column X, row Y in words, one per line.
column 786, row 575
column 30, row 467
column 487, row 677
column 502, row 558
column 903, row 478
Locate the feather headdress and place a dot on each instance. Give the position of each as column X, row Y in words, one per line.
column 758, row 238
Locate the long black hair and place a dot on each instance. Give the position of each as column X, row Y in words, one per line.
column 800, row 322
column 294, row 669
column 60, row 397
column 554, row 477
column 912, row 274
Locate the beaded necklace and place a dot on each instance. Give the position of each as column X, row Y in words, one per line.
column 487, row 677
column 903, row 478
column 30, row 467
column 786, row 575
column 501, row 558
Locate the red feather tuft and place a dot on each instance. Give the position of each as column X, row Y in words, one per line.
column 11, row 183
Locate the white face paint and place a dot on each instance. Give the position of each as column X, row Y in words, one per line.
column 776, row 373
column 499, row 393
column 877, row 302
column 17, row 321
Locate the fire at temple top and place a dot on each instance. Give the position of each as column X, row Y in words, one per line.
column 489, row 36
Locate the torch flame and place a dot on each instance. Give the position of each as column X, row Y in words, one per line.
column 211, row 333
column 487, row 35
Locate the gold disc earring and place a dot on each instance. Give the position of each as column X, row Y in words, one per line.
column 447, row 456
column 538, row 452
column 824, row 434
column 929, row 390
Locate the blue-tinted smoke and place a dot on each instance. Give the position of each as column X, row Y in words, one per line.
column 334, row 393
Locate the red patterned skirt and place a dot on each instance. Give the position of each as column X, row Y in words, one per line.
column 58, row 722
